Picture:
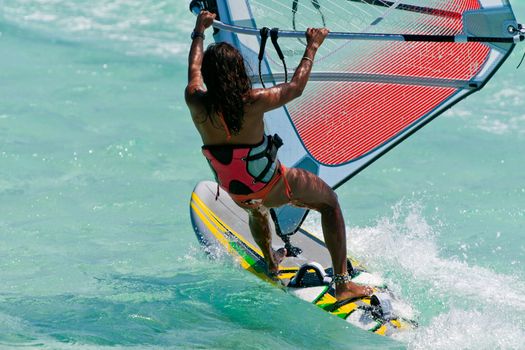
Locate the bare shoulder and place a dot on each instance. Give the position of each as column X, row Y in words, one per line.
column 195, row 97
column 194, row 94
column 258, row 100
column 253, row 96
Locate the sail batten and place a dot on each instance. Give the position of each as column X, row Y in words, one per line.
column 374, row 78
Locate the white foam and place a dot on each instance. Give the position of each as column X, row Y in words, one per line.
column 494, row 126
column 468, row 329
column 407, row 242
column 40, row 17
column 478, row 307
column 495, row 113
column 79, row 24
column 508, row 97
column 501, row 127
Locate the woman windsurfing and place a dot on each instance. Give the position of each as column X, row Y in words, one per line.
column 229, row 116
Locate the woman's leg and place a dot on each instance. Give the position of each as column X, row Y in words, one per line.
column 259, row 220
column 310, row 191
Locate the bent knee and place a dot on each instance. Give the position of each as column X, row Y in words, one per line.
column 330, row 202
column 331, row 198
column 260, row 212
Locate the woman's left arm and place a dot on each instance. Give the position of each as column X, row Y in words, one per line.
column 195, row 82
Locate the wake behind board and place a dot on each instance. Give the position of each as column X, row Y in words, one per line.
column 221, row 225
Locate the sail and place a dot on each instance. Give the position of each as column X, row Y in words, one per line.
column 389, row 69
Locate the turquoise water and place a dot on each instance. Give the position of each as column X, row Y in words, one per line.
column 98, row 157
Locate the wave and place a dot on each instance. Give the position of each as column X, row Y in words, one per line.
column 460, row 306
column 469, row 329
column 157, row 28
column 497, row 110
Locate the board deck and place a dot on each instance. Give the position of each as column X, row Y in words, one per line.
column 221, row 226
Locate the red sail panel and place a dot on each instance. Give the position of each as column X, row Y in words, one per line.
column 461, row 61
column 430, row 23
column 352, row 119
column 342, row 121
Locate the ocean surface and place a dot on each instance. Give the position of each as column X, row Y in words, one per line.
column 98, row 157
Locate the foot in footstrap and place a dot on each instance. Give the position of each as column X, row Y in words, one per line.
column 346, row 289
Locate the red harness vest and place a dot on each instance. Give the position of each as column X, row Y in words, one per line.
column 230, row 164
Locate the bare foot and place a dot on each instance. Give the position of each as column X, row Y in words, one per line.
column 278, row 257
column 351, row 290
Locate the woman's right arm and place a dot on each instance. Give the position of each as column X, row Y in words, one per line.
column 195, row 87
column 264, row 100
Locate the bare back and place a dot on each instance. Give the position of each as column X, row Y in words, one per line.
column 213, row 132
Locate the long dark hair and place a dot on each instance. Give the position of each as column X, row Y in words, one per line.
column 227, row 82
